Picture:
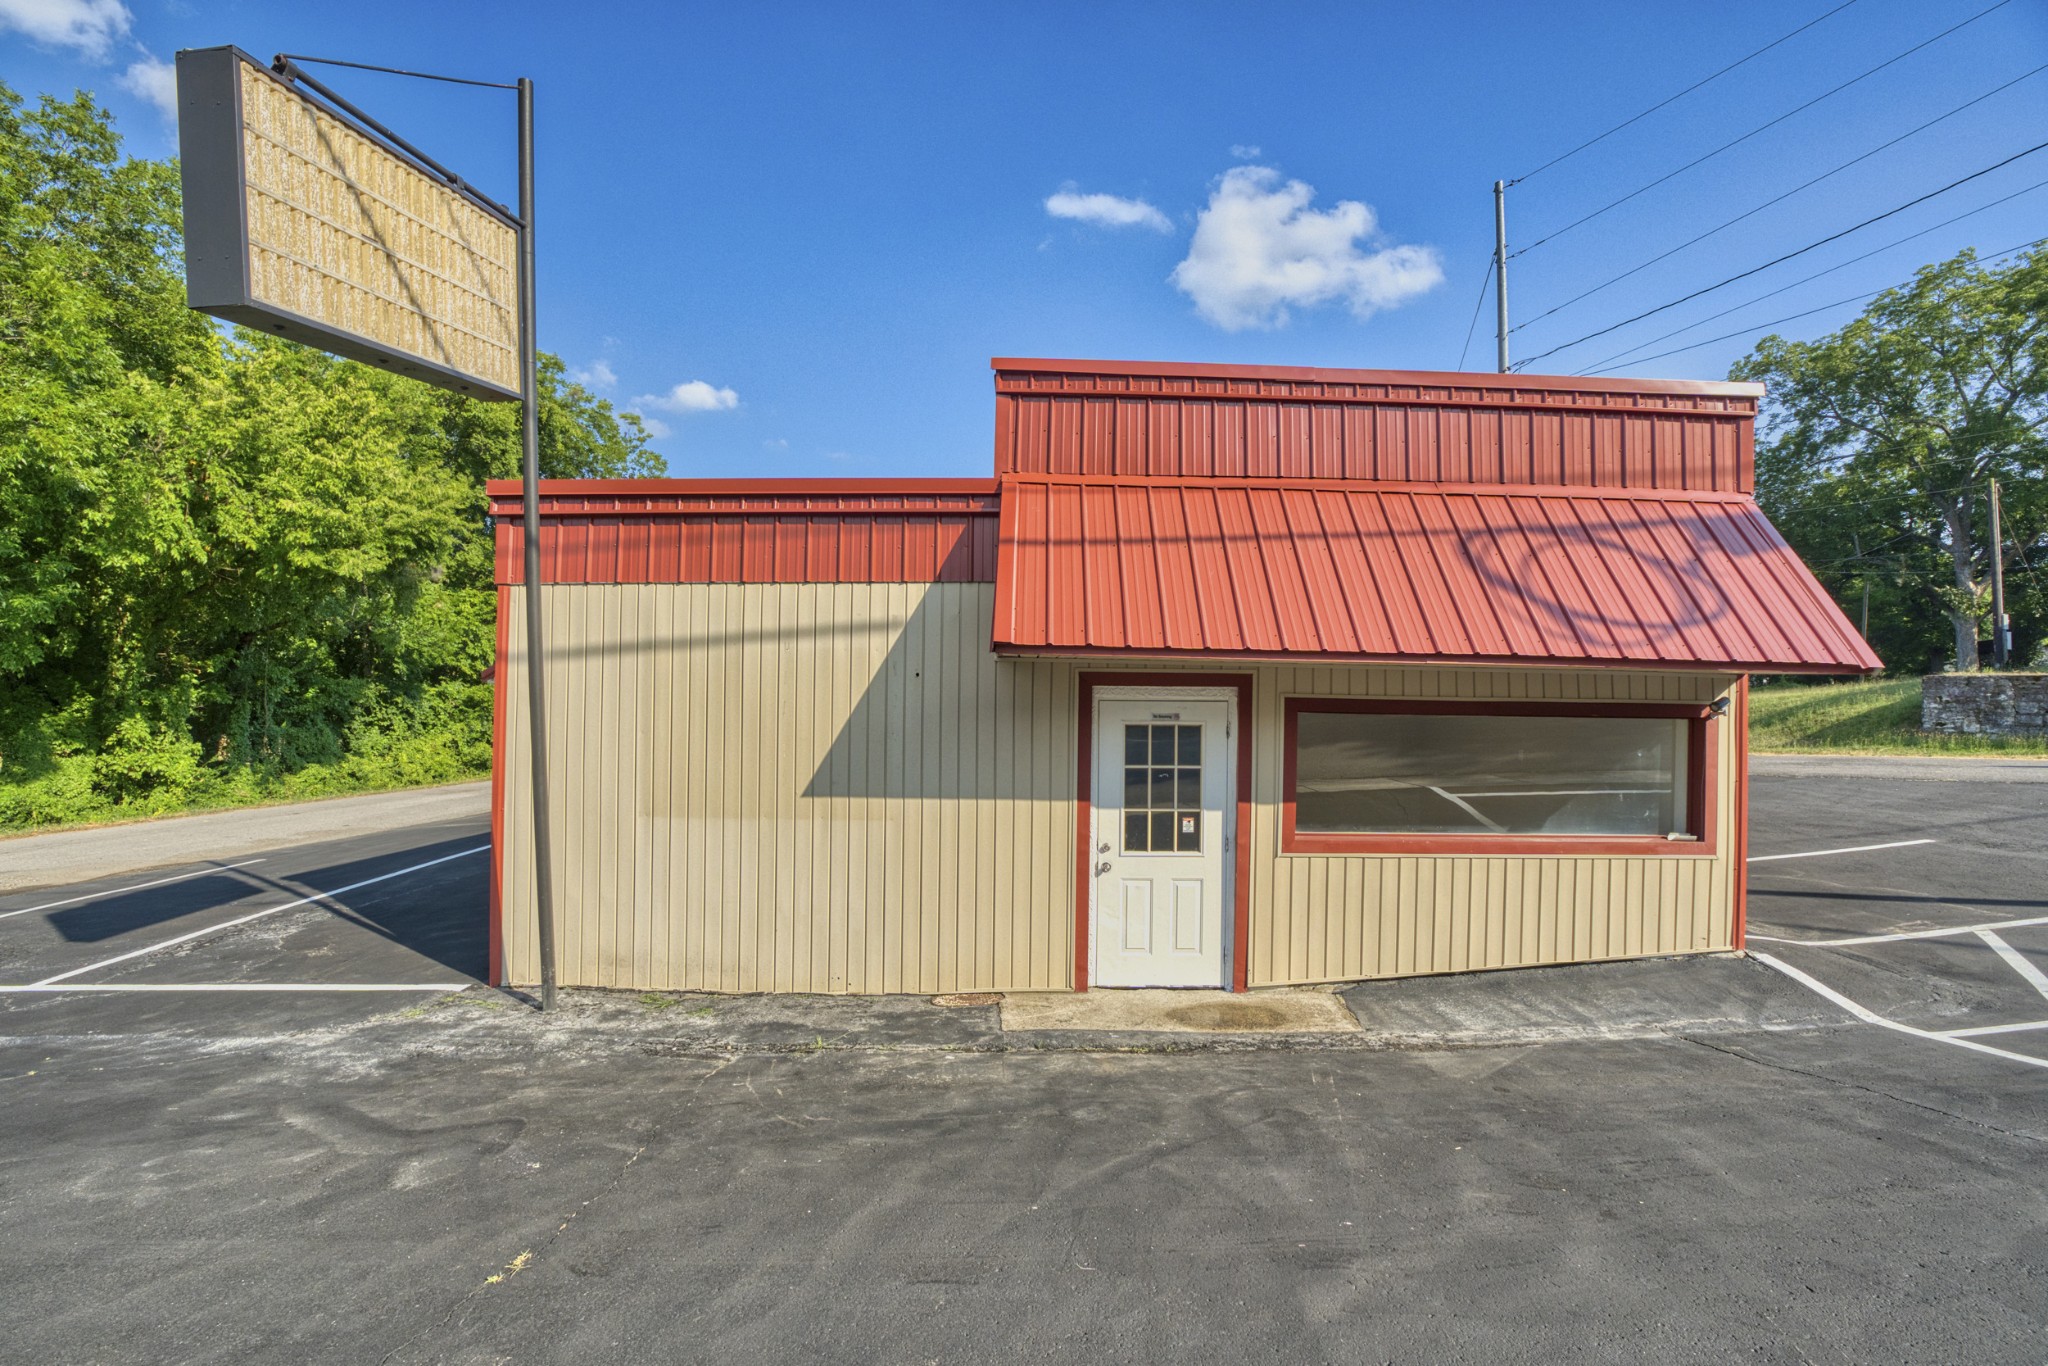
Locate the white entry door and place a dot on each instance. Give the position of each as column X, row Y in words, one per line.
column 1163, row 819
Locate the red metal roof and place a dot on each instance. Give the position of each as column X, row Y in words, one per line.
column 1150, row 420
column 1463, row 573
column 752, row 531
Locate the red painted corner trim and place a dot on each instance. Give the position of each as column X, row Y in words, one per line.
column 1462, row 379
column 1702, row 796
column 495, row 971
column 1741, row 832
column 1084, row 793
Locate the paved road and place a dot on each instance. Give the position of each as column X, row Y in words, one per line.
column 73, row 856
column 256, row 1178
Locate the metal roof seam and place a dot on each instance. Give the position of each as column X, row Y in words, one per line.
column 1326, row 545
column 1688, row 611
column 1723, row 611
column 1767, row 614
column 1599, row 582
column 1797, row 583
column 1633, row 583
column 1489, row 563
column 1578, row 610
column 1539, row 602
column 1371, row 580
column 1457, row 540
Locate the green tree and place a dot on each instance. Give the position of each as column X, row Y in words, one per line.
column 1879, row 442
column 220, row 551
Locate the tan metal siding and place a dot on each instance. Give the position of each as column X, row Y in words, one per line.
column 795, row 787
column 838, row 788
column 1346, row 917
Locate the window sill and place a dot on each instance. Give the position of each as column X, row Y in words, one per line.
column 1490, row 846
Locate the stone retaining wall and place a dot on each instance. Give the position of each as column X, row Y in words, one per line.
column 1984, row 704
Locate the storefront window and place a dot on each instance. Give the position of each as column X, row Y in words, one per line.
column 1366, row 770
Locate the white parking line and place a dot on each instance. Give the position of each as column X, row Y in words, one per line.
column 1904, row 934
column 1872, row 1017
column 2021, row 1027
column 253, row 915
column 89, row 896
column 2015, row 960
column 1853, row 849
column 239, row 986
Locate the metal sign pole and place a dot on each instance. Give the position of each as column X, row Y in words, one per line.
column 529, row 440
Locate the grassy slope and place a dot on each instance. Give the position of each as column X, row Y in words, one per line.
column 1861, row 718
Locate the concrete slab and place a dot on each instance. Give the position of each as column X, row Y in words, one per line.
column 1284, row 1011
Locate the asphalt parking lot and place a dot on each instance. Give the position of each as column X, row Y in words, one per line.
column 327, row 1155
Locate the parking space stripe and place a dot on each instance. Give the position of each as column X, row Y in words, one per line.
column 2020, row 1028
column 2015, row 960
column 236, row 986
column 253, row 915
column 117, row 891
column 1872, row 1017
column 1903, row 935
column 1853, row 849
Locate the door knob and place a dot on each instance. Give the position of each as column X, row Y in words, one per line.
column 1102, row 868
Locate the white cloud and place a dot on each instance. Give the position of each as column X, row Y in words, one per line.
column 91, row 27
column 656, row 428
column 1259, row 249
column 692, row 396
column 596, row 375
column 153, row 80
column 1105, row 210
column 1242, row 152
column 776, row 443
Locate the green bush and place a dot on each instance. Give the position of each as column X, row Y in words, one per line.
column 232, row 569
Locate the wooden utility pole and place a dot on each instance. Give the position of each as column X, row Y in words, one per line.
column 2001, row 637
column 1500, row 274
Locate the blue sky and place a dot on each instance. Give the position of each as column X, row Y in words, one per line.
column 795, row 234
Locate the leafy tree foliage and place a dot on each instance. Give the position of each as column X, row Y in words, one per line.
column 1880, row 441
column 225, row 559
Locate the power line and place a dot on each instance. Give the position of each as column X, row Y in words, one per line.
column 1755, row 328
column 1615, row 204
column 1563, row 156
column 1751, row 213
column 1870, row 502
column 1473, row 326
column 1794, row 317
column 1780, row 260
column 1808, row 279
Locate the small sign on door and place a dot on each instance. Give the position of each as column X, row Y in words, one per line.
column 1187, row 825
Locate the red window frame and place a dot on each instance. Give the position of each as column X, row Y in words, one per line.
column 1703, row 784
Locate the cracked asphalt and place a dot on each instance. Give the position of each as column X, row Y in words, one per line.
column 1681, row 1160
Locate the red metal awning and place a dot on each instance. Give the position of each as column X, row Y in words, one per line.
column 1494, row 574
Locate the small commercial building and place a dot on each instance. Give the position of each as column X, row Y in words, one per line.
column 1229, row 676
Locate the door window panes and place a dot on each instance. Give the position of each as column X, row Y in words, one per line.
column 1394, row 773
column 1162, row 789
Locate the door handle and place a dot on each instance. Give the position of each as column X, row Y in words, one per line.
column 1102, row 868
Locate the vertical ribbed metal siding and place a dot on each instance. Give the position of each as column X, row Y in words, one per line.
column 1452, row 436
column 831, row 787
column 838, row 788
column 1348, row 917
